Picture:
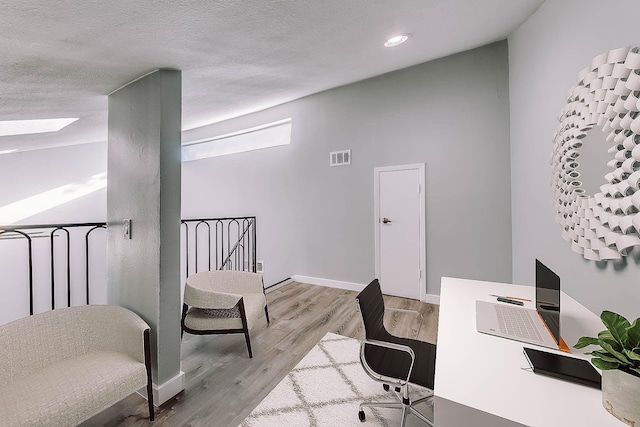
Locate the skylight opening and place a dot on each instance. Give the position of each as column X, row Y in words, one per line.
column 264, row 136
column 28, row 127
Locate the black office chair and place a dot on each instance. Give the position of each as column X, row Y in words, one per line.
column 391, row 360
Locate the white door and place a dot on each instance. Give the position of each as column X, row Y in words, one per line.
column 400, row 237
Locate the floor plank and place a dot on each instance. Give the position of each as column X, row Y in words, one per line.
column 223, row 385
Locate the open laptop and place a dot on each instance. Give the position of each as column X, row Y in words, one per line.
column 539, row 326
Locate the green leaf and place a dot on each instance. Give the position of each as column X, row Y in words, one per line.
column 633, row 334
column 609, row 349
column 604, row 356
column 607, row 337
column 617, row 325
column 601, row 364
column 631, row 355
column 585, row 341
column 636, row 370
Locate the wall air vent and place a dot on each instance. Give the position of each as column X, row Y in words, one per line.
column 340, row 158
column 259, row 266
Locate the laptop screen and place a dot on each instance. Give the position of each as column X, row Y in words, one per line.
column 548, row 298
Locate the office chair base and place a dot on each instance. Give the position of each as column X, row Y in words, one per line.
column 406, row 409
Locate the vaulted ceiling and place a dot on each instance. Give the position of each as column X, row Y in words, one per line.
column 62, row 58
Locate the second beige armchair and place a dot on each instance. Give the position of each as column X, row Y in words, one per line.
column 223, row 302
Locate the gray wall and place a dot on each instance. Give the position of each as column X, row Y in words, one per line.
column 313, row 220
column 545, row 55
column 144, row 185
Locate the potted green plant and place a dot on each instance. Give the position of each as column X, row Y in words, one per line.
column 619, row 359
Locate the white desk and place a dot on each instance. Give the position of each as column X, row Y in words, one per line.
column 479, row 380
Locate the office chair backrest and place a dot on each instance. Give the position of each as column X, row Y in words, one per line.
column 371, row 306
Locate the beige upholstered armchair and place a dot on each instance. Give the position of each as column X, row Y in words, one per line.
column 223, row 302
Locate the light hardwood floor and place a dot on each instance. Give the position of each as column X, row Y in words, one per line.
column 223, row 384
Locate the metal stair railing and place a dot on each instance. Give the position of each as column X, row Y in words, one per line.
column 238, row 244
column 55, row 231
column 219, row 243
column 67, row 256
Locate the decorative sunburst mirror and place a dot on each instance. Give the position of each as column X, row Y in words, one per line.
column 604, row 225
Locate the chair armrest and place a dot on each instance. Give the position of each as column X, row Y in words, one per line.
column 114, row 328
column 202, row 298
column 384, row 344
column 240, row 282
column 403, row 310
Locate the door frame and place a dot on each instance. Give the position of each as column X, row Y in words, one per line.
column 420, row 167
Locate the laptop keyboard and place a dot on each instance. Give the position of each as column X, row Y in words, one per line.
column 516, row 323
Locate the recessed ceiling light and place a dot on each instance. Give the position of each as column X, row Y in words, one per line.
column 397, row 40
column 26, row 127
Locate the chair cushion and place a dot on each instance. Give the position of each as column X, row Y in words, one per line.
column 222, row 312
column 220, row 288
column 201, row 320
column 72, row 390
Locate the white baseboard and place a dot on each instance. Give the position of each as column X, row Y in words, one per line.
column 433, row 299
column 164, row 392
column 349, row 286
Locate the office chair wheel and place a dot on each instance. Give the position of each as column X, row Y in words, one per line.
column 385, row 387
column 361, row 416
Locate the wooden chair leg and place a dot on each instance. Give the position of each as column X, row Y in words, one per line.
column 266, row 312
column 147, row 362
column 185, row 308
column 245, row 326
column 246, row 337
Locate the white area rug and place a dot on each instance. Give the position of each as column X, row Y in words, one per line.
column 325, row 389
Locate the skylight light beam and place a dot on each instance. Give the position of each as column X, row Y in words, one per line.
column 30, row 206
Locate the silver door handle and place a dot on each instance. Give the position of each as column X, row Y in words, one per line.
column 386, row 220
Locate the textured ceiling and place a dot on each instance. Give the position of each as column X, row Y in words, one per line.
column 61, row 58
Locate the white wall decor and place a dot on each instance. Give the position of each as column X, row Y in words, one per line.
column 605, row 225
